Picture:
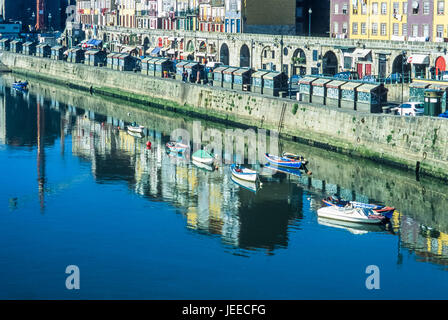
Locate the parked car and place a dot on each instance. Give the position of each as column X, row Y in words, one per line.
column 411, row 109
column 347, row 75
column 444, row 76
column 295, row 79
column 370, row 78
column 444, row 115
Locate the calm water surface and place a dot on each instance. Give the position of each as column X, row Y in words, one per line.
column 141, row 224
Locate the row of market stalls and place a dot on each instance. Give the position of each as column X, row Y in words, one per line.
column 245, row 79
column 346, row 94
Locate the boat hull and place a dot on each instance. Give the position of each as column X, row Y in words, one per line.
column 385, row 211
column 135, row 129
column 283, row 162
column 245, row 174
column 208, row 161
column 348, row 215
column 176, row 147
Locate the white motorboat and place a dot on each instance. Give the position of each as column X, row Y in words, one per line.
column 350, row 214
column 244, row 173
column 136, row 129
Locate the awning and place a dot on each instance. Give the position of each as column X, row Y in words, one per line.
column 171, row 38
column 200, row 54
column 156, row 50
column 361, row 53
column 128, row 49
column 171, row 51
column 418, row 59
column 94, row 42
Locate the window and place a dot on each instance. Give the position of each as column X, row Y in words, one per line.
column 375, row 28
column 441, row 7
column 439, row 31
column 405, row 8
column 345, row 9
column 375, row 8
column 383, row 29
column 273, row 54
column 383, row 8
column 415, row 30
column 426, row 30
column 344, row 27
column 363, row 8
column 355, row 28
column 395, row 29
column 363, row 28
column 336, row 8
column 415, row 6
column 336, row 27
column 396, row 7
column 355, row 8
column 404, row 31
column 426, row 7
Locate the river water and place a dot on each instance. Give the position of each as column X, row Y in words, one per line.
column 143, row 224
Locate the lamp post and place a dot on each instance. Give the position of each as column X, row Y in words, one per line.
column 49, row 21
column 32, row 20
column 309, row 27
column 403, row 62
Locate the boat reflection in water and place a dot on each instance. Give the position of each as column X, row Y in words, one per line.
column 352, row 227
column 248, row 185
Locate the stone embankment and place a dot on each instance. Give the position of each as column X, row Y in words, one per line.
column 411, row 142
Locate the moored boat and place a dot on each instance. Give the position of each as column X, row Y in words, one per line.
column 350, row 214
column 244, row 173
column 136, row 129
column 294, row 172
column 20, row 85
column 383, row 210
column 284, row 161
column 202, row 156
column 295, row 157
column 176, row 147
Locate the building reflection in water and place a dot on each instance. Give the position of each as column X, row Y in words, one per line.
column 210, row 201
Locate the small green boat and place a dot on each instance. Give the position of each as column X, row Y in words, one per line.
column 203, row 156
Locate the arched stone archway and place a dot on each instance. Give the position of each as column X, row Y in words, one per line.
column 224, row 56
column 329, row 63
column 298, row 62
column 146, row 44
column 190, row 46
column 400, row 65
column 244, row 56
column 266, row 58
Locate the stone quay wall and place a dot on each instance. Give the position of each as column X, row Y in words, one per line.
column 410, row 142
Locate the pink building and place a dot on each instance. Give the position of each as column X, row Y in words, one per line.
column 339, row 19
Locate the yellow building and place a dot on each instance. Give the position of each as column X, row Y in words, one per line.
column 440, row 29
column 378, row 20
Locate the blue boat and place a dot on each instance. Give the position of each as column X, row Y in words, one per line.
column 294, row 172
column 20, row 85
column 285, row 162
